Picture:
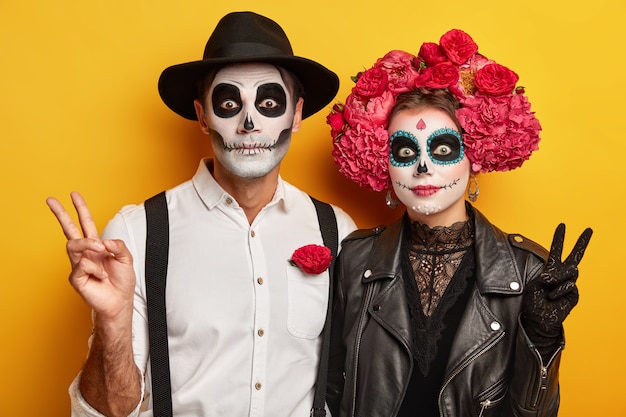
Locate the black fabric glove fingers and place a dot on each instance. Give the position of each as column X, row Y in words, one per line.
column 576, row 256
column 551, row 296
column 565, row 286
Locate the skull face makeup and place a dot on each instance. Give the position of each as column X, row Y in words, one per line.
column 250, row 118
column 427, row 165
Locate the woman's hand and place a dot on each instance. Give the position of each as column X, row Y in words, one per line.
column 551, row 297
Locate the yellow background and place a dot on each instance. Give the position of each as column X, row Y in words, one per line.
column 79, row 110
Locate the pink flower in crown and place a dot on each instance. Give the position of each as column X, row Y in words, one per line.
column 500, row 131
column 336, row 121
column 372, row 82
column 458, row 46
column 467, row 73
column 362, row 156
column 431, row 54
column 400, row 71
column 495, row 79
column 442, row 75
column 368, row 111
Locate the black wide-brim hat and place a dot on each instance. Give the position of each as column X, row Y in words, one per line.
column 246, row 37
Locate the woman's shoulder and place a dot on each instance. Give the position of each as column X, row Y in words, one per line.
column 361, row 234
column 517, row 241
column 523, row 243
column 382, row 235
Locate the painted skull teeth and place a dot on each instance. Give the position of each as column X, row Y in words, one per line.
column 249, row 148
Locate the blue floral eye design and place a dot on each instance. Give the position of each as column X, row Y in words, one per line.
column 403, row 149
column 445, row 146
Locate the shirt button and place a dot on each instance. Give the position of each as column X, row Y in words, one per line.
column 495, row 326
column 367, row 273
column 514, row 286
column 260, row 332
column 258, row 386
column 259, row 280
column 229, row 201
column 518, row 239
column 252, row 233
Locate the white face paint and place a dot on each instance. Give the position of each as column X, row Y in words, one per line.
column 428, row 168
column 249, row 113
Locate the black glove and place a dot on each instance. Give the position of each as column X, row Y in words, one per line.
column 550, row 297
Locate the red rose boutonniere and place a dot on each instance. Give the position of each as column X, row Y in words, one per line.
column 312, row 259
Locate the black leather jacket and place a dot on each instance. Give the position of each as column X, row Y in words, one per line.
column 493, row 368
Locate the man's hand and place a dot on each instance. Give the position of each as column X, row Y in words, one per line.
column 551, row 296
column 102, row 273
column 102, row 270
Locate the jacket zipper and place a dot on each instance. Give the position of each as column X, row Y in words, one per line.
column 483, row 406
column 543, row 375
column 463, row 366
column 368, row 298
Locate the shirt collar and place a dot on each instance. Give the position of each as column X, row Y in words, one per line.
column 212, row 194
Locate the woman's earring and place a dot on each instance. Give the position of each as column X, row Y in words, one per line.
column 391, row 203
column 473, row 183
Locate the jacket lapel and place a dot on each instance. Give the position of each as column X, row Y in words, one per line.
column 496, row 270
column 496, row 273
column 389, row 306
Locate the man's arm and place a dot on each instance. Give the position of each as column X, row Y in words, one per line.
column 110, row 381
column 103, row 275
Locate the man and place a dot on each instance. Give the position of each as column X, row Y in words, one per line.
column 243, row 323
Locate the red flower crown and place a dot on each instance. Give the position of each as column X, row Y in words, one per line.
column 499, row 130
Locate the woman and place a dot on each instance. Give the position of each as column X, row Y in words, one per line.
column 442, row 313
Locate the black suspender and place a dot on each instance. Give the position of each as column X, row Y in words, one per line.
column 328, row 227
column 157, row 248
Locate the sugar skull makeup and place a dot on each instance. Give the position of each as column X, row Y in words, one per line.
column 444, row 146
column 250, row 118
column 427, row 163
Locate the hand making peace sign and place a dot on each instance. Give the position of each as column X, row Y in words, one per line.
column 102, row 270
column 550, row 297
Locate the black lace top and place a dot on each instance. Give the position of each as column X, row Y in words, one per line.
column 438, row 267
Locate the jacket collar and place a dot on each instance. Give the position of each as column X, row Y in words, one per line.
column 496, row 270
column 385, row 256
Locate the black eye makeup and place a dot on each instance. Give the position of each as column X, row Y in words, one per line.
column 271, row 100
column 445, row 146
column 226, row 100
column 403, row 149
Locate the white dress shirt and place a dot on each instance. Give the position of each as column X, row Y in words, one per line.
column 244, row 324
